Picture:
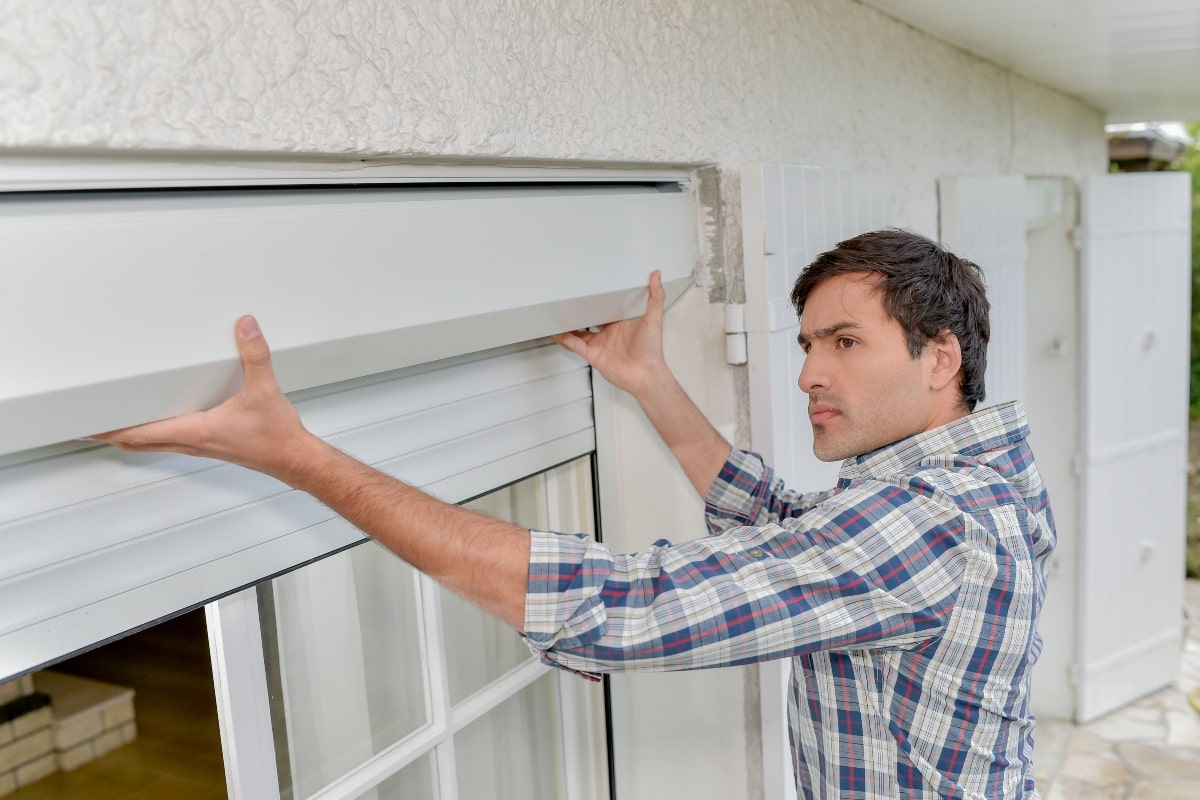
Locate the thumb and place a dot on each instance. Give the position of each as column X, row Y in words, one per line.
column 657, row 298
column 256, row 355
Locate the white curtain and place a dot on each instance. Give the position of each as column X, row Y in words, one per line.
column 349, row 648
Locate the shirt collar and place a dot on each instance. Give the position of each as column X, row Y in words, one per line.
column 993, row 427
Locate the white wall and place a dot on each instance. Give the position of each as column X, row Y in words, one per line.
column 826, row 82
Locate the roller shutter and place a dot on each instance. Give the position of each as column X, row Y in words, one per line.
column 406, row 327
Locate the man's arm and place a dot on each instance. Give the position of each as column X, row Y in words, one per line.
column 629, row 355
column 483, row 559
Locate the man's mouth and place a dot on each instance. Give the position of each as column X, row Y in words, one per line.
column 821, row 412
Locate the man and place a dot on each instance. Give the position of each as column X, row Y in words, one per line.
column 907, row 596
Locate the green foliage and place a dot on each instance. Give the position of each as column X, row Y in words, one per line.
column 1190, row 162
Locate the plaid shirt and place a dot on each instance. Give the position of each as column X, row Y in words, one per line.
column 907, row 598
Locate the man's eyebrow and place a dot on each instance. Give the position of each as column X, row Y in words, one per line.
column 827, row 331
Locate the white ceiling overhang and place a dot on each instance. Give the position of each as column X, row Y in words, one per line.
column 1134, row 59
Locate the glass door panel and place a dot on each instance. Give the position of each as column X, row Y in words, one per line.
column 514, row 751
column 479, row 647
column 416, row 781
column 347, row 660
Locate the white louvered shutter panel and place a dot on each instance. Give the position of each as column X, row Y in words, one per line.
column 983, row 220
column 790, row 215
column 1136, row 289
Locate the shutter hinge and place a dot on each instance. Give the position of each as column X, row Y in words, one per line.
column 735, row 333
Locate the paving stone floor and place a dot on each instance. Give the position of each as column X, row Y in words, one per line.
column 1148, row 750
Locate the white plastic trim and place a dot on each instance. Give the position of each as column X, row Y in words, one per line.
column 30, row 173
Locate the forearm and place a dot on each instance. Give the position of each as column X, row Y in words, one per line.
column 692, row 439
column 484, row 560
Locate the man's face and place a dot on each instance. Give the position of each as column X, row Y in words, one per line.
column 864, row 389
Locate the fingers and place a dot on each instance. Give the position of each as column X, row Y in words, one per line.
column 575, row 341
column 183, row 449
column 187, row 430
column 256, row 356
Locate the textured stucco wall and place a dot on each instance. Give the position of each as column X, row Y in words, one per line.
column 826, row 82
column 822, row 81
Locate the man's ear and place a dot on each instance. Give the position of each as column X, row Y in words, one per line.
column 947, row 360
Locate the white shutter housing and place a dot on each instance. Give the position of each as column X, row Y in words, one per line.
column 133, row 295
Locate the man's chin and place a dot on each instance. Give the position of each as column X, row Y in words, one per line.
column 824, row 452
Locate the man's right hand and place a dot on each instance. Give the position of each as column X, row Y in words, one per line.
column 628, row 353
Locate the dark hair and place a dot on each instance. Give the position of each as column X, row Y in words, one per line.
column 928, row 290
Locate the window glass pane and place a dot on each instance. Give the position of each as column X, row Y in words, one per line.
column 479, row 647
column 513, row 752
column 417, row 781
column 345, row 663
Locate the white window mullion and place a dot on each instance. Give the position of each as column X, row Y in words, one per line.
column 495, row 693
column 439, row 686
column 240, row 682
column 371, row 773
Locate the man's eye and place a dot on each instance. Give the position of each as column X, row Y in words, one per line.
column 845, row 343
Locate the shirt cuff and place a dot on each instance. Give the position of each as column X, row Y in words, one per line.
column 736, row 496
column 563, row 604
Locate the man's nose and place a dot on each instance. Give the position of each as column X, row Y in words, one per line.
column 813, row 376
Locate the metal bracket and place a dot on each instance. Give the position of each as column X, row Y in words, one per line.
column 735, row 333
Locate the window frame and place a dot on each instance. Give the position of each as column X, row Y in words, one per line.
column 244, row 709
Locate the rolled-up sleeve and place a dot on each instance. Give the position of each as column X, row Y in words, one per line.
column 563, row 603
